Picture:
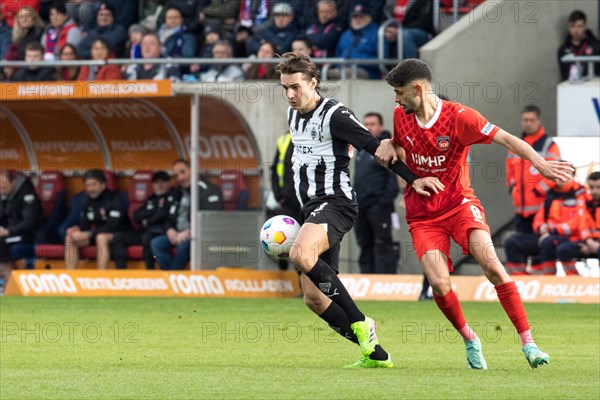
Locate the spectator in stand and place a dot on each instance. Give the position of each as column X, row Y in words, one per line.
column 222, row 72
column 152, row 216
column 84, row 11
column 360, row 41
column 21, row 220
column 5, row 37
column 103, row 213
column 34, row 52
column 59, row 32
column 213, row 33
column 302, row 45
column 223, row 11
column 175, row 40
column 178, row 233
column 10, row 8
column 281, row 31
column 107, row 72
column 376, row 190
column 240, row 41
column 311, row 17
column 526, row 185
column 325, row 32
column 151, row 49
column 193, row 13
column 556, row 222
column 263, row 71
column 28, row 27
column 588, row 245
column 134, row 44
column 416, row 18
column 67, row 53
column 580, row 41
column 106, row 28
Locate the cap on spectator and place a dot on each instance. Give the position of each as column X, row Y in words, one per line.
column 360, row 10
column 213, row 27
column 137, row 28
column 283, row 9
column 107, row 6
column 160, row 176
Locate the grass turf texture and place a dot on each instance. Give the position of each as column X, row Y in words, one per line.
column 273, row 349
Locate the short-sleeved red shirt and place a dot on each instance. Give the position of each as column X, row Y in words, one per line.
column 440, row 149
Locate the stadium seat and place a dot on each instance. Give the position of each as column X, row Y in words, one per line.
column 235, row 192
column 111, row 180
column 52, row 191
column 138, row 191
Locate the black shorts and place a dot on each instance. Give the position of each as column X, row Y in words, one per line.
column 338, row 214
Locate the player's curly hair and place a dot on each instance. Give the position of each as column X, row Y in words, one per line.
column 292, row 63
column 407, row 71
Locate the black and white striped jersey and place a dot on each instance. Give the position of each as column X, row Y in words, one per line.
column 321, row 144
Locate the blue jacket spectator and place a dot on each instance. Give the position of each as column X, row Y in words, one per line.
column 176, row 41
column 281, row 31
column 360, row 41
column 106, row 28
column 192, row 11
column 324, row 33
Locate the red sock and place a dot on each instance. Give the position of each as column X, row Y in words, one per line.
column 451, row 308
column 509, row 297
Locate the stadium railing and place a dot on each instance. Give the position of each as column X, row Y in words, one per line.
column 578, row 60
column 325, row 62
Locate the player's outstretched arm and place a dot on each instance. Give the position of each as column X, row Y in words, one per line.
column 386, row 152
column 558, row 171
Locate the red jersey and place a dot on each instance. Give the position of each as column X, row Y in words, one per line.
column 440, row 149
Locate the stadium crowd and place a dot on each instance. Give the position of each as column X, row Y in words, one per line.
column 99, row 30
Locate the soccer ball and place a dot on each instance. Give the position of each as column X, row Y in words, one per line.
column 278, row 234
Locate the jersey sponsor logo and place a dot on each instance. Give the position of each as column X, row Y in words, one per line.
column 304, row 149
column 487, row 128
column 443, row 143
column 114, row 214
column 430, row 161
column 28, row 198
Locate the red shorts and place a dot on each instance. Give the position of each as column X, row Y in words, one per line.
column 435, row 234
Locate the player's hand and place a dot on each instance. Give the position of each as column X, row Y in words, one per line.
column 558, row 171
column 386, row 153
column 432, row 183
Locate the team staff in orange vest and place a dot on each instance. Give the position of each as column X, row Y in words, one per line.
column 557, row 221
column 588, row 245
column 527, row 187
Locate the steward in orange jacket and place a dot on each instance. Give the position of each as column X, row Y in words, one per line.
column 526, row 185
column 588, row 245
column 557, row 221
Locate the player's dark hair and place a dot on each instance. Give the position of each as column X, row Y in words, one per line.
column 577, row 15
column 374, row 114
column 182, row 161
column 409, row 70
column 95, row 174
column 533, row 109
column 292, row 63
column 594, row 176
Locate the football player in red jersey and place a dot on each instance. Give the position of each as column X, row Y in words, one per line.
column 436, row 136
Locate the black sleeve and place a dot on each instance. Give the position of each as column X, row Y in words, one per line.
column 142, row 212
column 345, row 126
column 31, row 215
column 84, row 223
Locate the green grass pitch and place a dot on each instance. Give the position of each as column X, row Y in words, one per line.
column 133, row 348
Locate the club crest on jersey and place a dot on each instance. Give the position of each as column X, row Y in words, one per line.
column 443, row 143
